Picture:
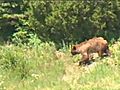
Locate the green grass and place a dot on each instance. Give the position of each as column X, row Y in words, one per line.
column 42, row 68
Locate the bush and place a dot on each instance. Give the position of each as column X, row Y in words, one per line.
column 71, row 21
column 59, row 21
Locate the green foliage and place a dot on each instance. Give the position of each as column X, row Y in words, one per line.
column 33, row 64
column 13, row 19
column 59, row 21
column 36, row 65
column 75, row 20
column 39, row 67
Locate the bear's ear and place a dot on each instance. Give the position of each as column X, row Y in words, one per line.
column 74, row 47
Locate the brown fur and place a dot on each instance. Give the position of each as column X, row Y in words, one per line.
column 95, row 45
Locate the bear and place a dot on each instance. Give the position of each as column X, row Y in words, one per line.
column 95, row 45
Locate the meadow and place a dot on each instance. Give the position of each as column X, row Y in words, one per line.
column 43, row 67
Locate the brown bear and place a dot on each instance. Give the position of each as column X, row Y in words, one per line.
column 95, row 45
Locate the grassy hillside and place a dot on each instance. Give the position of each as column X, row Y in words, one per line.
column 44, row 68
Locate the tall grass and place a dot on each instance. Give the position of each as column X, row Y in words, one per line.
column 42, row 68
column 30, row 68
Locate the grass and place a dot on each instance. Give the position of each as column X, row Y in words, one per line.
column 45, row 68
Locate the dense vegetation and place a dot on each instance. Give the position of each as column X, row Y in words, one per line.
column 36, row 38
column 59, row 21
